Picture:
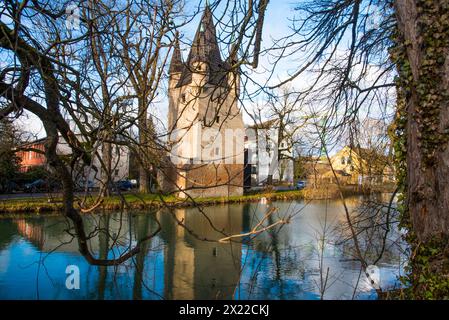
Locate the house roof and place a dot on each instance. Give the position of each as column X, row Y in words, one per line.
column 265, row 125
column 366, row 153
column 33, row 142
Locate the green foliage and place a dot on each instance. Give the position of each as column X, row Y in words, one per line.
column 35, row 173
column 9, row 162
column 426, row 274
column 299, row 168
column 397, row 131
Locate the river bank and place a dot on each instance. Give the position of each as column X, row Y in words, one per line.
column 52, row 204
column 135, row 201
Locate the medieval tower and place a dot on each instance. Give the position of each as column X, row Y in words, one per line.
column 204, row 121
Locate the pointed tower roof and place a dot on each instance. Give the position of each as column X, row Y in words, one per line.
column 205, row 49
column 176, row 64
column 205, row 46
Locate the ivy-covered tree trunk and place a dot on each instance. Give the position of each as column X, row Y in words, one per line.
column 424, row 26
column 422, row 58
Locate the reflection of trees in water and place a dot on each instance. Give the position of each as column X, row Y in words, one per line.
column 103, row 239
column 377, row 228
column 7, row 232
column 143, row 231
column 270, row 261
column 109, row 236
column 194, row 267
column 282, row 262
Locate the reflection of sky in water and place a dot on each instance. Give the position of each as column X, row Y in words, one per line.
column 174, row 264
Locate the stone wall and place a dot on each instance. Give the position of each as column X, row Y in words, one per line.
column 207, row 180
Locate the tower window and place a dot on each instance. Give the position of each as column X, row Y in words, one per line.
column 217, row 119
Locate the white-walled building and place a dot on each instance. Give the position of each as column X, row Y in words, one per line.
column 119, row 163
column 263, row 149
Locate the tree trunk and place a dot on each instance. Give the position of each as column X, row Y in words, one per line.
column 106, row 174
column 143, row 141
column 424, row 25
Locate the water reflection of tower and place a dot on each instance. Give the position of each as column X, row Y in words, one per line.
column 199, row 269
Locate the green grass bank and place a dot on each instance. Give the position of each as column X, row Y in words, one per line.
column 12, row 207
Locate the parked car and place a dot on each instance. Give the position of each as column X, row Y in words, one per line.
column 123, row 185
column 9, row 187
column 36, row 186
column 81, row 185
column 41, row 185
column 300, row 185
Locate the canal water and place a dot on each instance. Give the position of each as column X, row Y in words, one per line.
column 304, row 259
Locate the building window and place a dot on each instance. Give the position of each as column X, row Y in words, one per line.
column 342, row 160
column 217, row 151
column 349, row 161
column 116, row 172
column 253, row 169
column 183, row 98
column 217, row 119
column 191, row 160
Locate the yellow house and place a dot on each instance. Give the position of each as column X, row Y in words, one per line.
column 363, row 166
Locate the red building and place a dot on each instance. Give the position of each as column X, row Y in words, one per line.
column 30, row 155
